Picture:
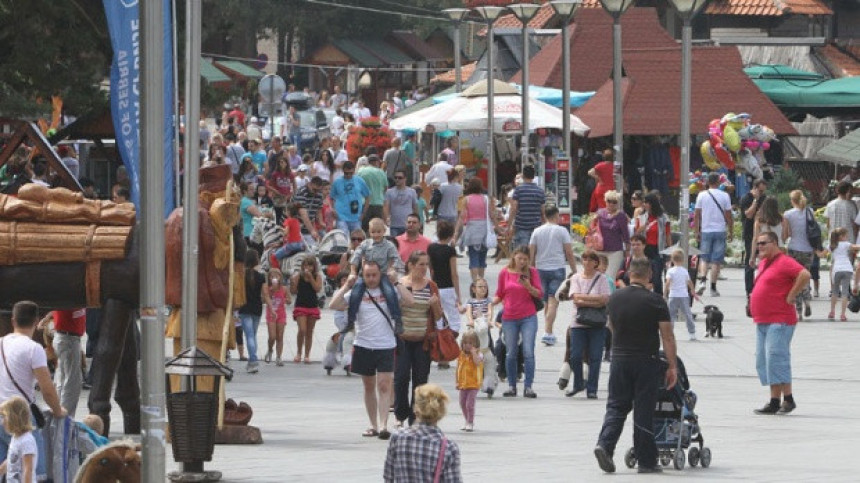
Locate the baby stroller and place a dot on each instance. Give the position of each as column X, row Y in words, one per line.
column 676, row 425
column 329, row 252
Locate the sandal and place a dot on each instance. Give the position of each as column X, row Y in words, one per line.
column 384, row 434
column 307, row 360
column 297, row 359
column 370, row 433
column 843, row 318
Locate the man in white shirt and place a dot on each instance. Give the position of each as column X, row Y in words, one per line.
column 713, row 227
column 551, row 250
column 439, row 171
column 337, row 123
column 26, row 364
column 338, row 99
column 375, row 341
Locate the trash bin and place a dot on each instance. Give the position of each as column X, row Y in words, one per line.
column 193, row 415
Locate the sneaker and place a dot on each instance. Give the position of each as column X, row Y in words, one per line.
column 647, row 470
column 529, row 393
column 268, row 357
column 562, row 383
column 715, row 292
column 787, row 407
column 490, row 392
column 604, row 459
column 702, row 285
column 815, row 294
column 807, row 310
column 279, row 362
column 591, row 395
column 252, row 368
column 469, row 428
column 767, row 409
column 692, row 337
column 511, row 392
column 574, row 392
column 548, row 339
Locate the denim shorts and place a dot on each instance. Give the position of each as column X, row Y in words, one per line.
column 550, row 281
column 713, row 247
column 773, row 353
column 477, row 256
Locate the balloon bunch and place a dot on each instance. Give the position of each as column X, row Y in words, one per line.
column 734, row 143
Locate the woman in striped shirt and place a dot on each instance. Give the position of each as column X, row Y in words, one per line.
column 412, row 361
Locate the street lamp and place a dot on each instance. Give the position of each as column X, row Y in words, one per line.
column 525, row 12
column 616, row 8
column 490, row 14
column 457, row 15
column 687, row 9
column 565, row 9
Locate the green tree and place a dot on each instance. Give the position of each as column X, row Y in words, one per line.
column 52, row 47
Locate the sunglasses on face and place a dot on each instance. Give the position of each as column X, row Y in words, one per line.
column 613, row 202
column 761, row 243
column 357, row 239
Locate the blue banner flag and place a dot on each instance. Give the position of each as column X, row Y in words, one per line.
column 124, row 25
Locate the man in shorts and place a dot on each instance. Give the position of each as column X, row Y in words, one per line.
column 373, row 348
column 713, row 225
column 551, row 249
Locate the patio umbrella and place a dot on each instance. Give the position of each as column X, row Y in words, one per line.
column 468, row 112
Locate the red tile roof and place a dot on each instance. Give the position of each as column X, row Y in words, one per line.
column 652, row 104
column 591, row 48
column 466, row 72
column 769, row 8
column 839, row 62
column 541, row 20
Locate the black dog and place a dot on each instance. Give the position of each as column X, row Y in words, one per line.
column 713, row 321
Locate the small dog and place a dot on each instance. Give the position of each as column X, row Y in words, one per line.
column 713, row 321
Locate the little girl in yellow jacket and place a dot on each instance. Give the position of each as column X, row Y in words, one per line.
column 470, row 374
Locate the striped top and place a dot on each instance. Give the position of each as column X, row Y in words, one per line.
column 530, row 198
column 310, row 202
column 415, row 316
column 479, row 307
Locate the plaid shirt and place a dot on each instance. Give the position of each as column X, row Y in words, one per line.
column 414, row 452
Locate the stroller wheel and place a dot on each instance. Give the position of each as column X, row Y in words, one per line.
column 665, row 460
column 705, row 457
column 630, row 458
column 679, row 459
column 693, row 456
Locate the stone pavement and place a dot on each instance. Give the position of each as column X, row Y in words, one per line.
column 312, row 423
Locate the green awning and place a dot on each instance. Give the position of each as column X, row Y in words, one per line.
column 211, row 74
column 845, row 150
column 798, row 92
column 239, row 68
column 356, row 53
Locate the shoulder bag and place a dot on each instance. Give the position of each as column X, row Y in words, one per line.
column 594, row 237
column 591, row 317
column 492, row 240
column 538, row 301
column 440, row 460
column 813, row 230
column 441, row 344
column 38, row 417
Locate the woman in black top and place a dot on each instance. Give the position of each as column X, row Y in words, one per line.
column 250, row 313
column 443, row 268
column 305, row 285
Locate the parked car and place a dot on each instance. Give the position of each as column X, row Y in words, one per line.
column 315, row 127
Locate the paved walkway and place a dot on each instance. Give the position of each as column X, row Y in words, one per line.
column 311, row 422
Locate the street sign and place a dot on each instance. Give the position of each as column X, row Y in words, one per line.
column 271, row 87
column 512, row 126
column 563, row 172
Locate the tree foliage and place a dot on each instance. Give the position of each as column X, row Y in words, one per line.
column 52, row 47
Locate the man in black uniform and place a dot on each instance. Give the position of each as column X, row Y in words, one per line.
column 636, row 317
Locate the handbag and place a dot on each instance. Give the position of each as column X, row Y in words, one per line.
column 813, row 230
column 38, row 417
column 591, row 317
column 441, row 344
column 594, row 238
column 492, row 239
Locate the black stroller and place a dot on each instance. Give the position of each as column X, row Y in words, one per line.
column 676, row 426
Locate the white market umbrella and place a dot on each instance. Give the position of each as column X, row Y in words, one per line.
column 468, row 112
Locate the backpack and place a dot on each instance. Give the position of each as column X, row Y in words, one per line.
column 813, row 230
column 594, row 238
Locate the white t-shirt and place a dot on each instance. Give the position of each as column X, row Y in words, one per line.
column 23, row 355
column 713, row 214
column 18, row 448
column 438, row 171
column 677, row 278
column 321, row 170
column 337, row 125
column 549, row 240
column 372, row 330
column 841, row 262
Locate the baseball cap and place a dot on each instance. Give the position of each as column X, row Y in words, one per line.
column 302, row 168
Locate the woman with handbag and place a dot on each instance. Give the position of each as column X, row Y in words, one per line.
column 476, row 226
column 800, row 247
column 613, row 227
column 658, row 236
column 589, row 291
column 412, row 360
column 520, row 290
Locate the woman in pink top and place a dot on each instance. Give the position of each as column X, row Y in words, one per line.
column 472, row 226
column 519, row 286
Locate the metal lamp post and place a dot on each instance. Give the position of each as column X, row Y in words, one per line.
column 490, row 14
column 525, row 12
column 687, row 9
column 565, row 9
column 457, row 15
column 616, row 8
